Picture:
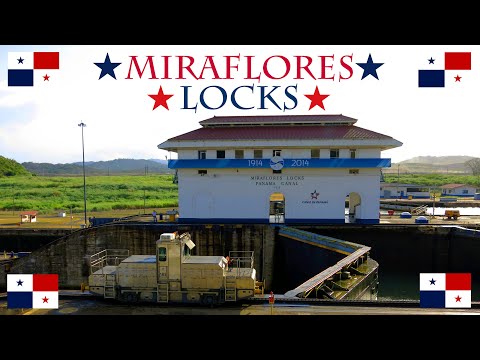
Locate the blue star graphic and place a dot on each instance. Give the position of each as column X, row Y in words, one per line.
column 369, row 68
column 432, row 282
column 431, row 60
column 19, row 282
column 20, row 60
column 107, row 67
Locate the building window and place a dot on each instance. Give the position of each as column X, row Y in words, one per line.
column 355, row 172
column 277, row 153
column 238, row 154
column 353, row 153
column 202, row 172
column 202, row 154
column 464, row 191
column 277, row 171
column 315, row 153
column 220, row 154
column 334, row 153
column 257, row 154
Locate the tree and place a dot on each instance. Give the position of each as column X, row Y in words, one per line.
column 474, row 165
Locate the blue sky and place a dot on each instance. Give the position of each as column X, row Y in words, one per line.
column 40, row 123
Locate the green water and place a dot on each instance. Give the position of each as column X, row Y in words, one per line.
column 406, row 286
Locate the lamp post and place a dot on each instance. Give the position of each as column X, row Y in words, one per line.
column 82, row 125
column 398, row 178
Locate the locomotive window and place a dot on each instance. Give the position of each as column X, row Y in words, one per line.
column 162, row 254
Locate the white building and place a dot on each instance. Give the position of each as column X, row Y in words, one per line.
column 460, row 190
column 404, row 191
column 292, row 169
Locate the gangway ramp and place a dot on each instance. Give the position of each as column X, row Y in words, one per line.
column 354, row 270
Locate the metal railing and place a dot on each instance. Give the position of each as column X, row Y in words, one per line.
column 107, row 257
column 241, row 259
column 419, row 210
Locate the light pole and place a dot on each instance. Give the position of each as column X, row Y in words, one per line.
column 398, row 178
column 82, row 125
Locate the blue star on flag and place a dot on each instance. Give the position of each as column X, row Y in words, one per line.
column 107, row 67
column 369, row 68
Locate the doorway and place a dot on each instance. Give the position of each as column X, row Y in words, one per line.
column 353, row 210
column 277, row 208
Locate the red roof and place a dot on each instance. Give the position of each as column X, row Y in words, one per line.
column 281, row 133
column 28, row 212
column 278, row 119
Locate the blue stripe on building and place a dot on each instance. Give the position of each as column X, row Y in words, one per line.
column 288, row 163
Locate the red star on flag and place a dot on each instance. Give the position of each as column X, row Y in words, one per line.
column 160, row 99
column 46, row 77
column 316, row 99
column 45, row 299
column 457, row 78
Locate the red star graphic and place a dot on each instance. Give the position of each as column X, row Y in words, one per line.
column 457, row 78
column 314, row 195
column 457, row 299
column 316, row 99
column 45, row 299
column 160, row 99
column 46, row 77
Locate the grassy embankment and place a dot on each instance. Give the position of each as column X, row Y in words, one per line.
column 107, row 196
column 119, row 196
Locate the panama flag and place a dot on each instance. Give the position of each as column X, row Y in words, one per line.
column 32, row 291
column 445, row 290
column 32, row 68
column 446, row 69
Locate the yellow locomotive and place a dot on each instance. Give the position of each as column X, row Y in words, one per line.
column 173, row 275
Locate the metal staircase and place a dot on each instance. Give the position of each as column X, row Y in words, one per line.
column 162, row 292
column 230, row 288
column 420, row 210
column 109, row 286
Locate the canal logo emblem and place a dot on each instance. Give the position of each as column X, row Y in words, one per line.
column 276, row 163
column 314, row 195
column 445, row 290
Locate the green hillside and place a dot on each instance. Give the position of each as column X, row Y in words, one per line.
column 111, row 167
column 9, row 167
column 432, row 165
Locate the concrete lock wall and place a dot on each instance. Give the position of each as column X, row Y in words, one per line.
column 69, row 256
column 422, row 248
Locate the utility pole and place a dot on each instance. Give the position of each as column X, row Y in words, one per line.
column 398, row 178
column 82, row 125
column 433, row 207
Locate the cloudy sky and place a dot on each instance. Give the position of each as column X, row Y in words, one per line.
column 117, row 97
